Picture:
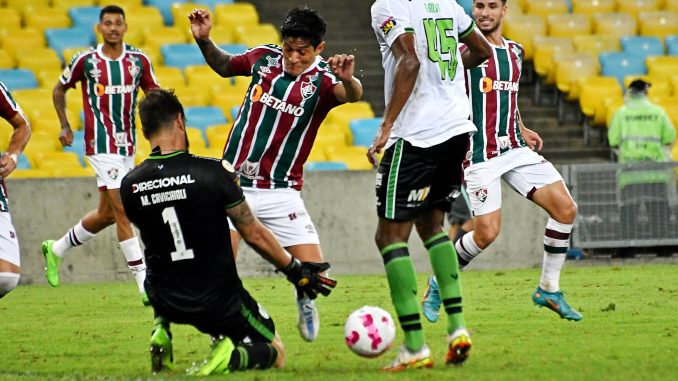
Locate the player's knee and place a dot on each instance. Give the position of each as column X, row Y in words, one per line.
column 566, row 213
column 8, row 282
column 484, row 236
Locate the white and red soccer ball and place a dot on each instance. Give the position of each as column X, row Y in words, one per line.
column 369, row 331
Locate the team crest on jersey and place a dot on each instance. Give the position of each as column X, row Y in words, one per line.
column 308, row 89
column 388, row 25
column 113, row 173
column 518, row 52
column 481, row 194
column 134, row 70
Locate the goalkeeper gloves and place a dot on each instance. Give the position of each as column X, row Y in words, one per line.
column 305, row 276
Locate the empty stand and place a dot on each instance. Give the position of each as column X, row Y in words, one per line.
column 363, row 131
column 203, row 117
column 16, row 79
column 621, row 64
column 325, row 166
column 182, row 55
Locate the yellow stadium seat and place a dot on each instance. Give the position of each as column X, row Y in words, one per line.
column 514, row 8
column 522, row 29
column 595, row 44
column 140, row 18
column 47, row 18
column 353, row 157
column 670, row 105
column 180, row 13
column 674, row 85
column 330, row 140
column 6, row 132
column 191, row 96
column 671, row 5
column 127, row 5
column 545, row 8
column 68, row 4
column 593, row 91
column 195, row 138
column 69, row 53
column 317, row 153
column 46, row 124
column 38, row 96
column 220, row 35
column 659, row 24
column 568, row 25
column 12, row 40
column 22, row 5
column 252, row 35
column 29, row 174
column 674, row 154
column 635, row 7
column 227, row 100
column 232, row 87
column 50, row 160
column 202, row 76
column 590, row 7
column 6, row 60
column 568, row 71
column 156, row 37
column 169, row 77
column 662, row 66
column 342, row 115
column 617, row 24
column 11, row 19
column 48, row 77
column 333, row 134
column 545, row 48
column 231, row 15
column 68, row 172
column 38, row 58
column 611, row 105
column 217, row 135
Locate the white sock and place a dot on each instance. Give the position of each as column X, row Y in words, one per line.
column 8, row 282
column 135, row 260
column 556, row 241
column 75, row 236
column 467, row 249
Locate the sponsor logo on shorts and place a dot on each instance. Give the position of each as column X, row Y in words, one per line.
column 294, row 215
column 12, row 234
column 481, row 194
column 418, row 194
column 389, row 24
column 310, row 228
column 377, row 180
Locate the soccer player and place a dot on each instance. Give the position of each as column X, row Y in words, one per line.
column 180, row 203
column 503, row 148
column 291, row 92
column 110, row 75
column 425, row 132
column 9, row 248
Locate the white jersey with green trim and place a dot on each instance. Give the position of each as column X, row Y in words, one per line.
column 438, row 108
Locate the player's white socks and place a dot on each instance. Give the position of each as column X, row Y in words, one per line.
column 8, row 282
column 135, row 260
column 556, row 241
column 467, row 249
column 75, row 236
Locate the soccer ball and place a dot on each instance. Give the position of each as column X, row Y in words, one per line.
column 369, row 331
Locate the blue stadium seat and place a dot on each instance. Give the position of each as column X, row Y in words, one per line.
column 363, row 130
column 234, row 112
column 78, row 146
column 23, row 163
column 642, row 45
column 671, row 45
column 16, row 79
column 182, row 55
column 60, row 39
column 85, row 18
column 212, row 3
column 203, row 117
column 467, row 5
column 234, row 48
column 325, row 166
column 165, row 8
column 622, row 64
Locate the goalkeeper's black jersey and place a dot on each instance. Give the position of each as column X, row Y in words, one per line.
column 178, row 202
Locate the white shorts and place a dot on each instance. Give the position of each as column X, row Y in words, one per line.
column 110, row 169
column 9, row 243
column 284, row 213
column 522, row 169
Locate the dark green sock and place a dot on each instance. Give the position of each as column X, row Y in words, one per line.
column 444, row 262
column 403, row 284
column 253, row 356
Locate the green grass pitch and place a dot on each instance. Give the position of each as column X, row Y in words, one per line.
column 629, row 330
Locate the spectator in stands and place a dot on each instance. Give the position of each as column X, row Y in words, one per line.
column 9, row 248
column 643, row 132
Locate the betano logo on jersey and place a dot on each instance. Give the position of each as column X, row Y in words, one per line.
column 102, row 90
column 487, row 85
column 258, row 95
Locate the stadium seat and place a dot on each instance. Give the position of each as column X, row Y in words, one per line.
column 68, row 4
column 568, row 71
column 568, row 25
column 46, row 18
column 217, row 135
column 214, row 3
column 11, row 19
column 62, row 39
column 68, row 172
column 165, row 8
column 317, row 154
column 231, row 15
column 169, row 77
column 29, row 174
column 127, row 5
column 234, row 48
column 154, row 38
column 353, row 157
column 545, row 48
column 235, row 110
column 670, row 105
column 662, row 66
column 312, row 166
column 343, row 114
column 201, row 76
column 179, row 11
column 611, row 105
column 6, row 60
column 595, row 44
column 203, row 117
column 22, row 162
column 85, row 18
column 635, row 7
column 182, row 55
column 12, row 40
column 671, row 43
column 642, row 46
column 545, row 8
column 144, row 17
column 27, row 5
column 38, row 97
column 253, row 35
column 674, row 85
column 219, row 34
column 659, row 24
column 617, row 24
column 671, row 5
column 522, row 29
column 593, row 91
column 621, row 64
column 16, row 79
column 590, row 7
column 195, row 138
column 332, row 135
column 226, row 99
column 50, row 159
column 38, row 58
column 364, row 130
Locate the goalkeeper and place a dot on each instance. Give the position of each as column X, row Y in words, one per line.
column 180, row 203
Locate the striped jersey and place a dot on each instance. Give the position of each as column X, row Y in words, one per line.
column 109, row 96
column 437, row 109
column 492, row 90
column 278, row 119
column 8, row 110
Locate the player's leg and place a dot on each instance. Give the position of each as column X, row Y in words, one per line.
column 10, row 260
column 162, row 356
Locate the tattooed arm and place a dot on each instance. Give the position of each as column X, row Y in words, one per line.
column 218, row 59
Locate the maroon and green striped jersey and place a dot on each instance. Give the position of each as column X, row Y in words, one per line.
column 8, row 110
column 279, row 118
column 109, row 96
column 492, row 89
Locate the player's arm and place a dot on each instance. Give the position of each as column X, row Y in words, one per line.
column 478, row 50
column 218, row 59
column 350, row 89
column 533, row 140
column 59, row 99
column 17, row 143
column 407, row 69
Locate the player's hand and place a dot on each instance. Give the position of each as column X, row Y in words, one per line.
column 7, row 165
column 378, row 143
column 201, row 24
column 305, row 276
column 66, row 137
column 532, row 139
column 342, row 66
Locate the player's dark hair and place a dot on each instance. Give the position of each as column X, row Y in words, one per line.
column 305, row 23
column 158, row 109
column 111, row 9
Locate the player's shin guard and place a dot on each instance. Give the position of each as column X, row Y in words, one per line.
column 467, row 249
column 135, row 260
column 403, row 284
column 556, row 241
column 443, row 259
column 253, row 356
column 75, row 236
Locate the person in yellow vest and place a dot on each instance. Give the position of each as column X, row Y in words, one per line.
column 643, row 133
